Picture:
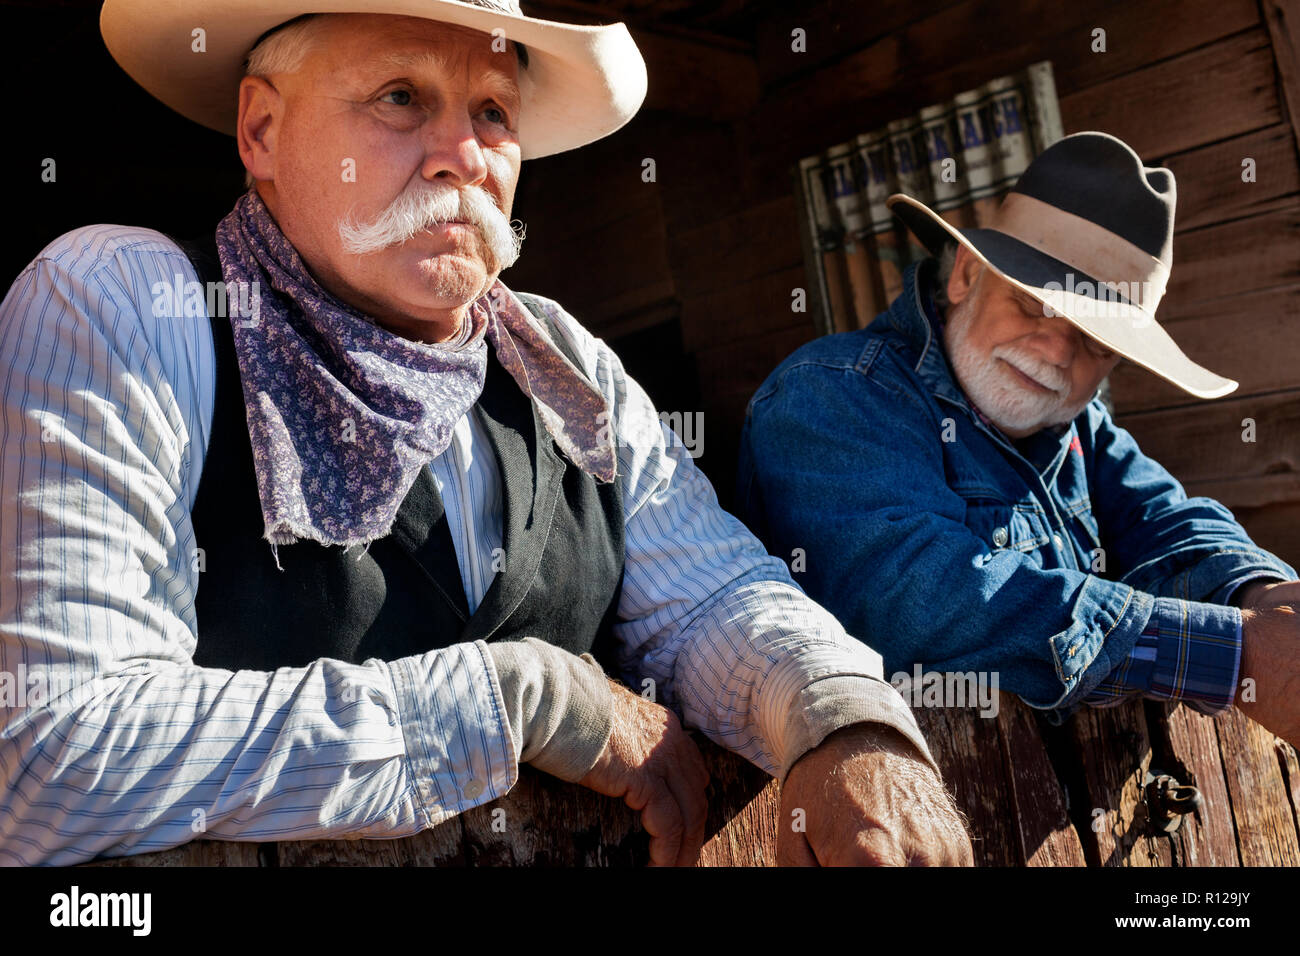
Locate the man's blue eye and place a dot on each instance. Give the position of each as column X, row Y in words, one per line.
column 493, row 109
column 405, row 93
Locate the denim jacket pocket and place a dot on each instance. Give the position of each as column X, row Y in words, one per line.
column 1001, row 525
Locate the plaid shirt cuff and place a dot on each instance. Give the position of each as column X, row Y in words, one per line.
column 1188, row 651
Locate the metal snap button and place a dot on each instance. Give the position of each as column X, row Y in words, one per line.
column 1056, row 539
column 1000, row 537
column 472, row 789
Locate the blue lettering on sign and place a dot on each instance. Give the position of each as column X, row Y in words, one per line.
column 971, row 133
column 859, row 170
column 1011, row 114
column 937, row 144
column 876, row 165
column 904, row 161
column 843, row 183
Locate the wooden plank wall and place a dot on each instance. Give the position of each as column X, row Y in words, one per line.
column 1198, row 85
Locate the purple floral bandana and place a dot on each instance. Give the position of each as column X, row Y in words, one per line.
column 342, row 413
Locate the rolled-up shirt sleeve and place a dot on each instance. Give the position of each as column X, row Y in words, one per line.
column 112, row 741
column 710, row 623
column 1189, row 651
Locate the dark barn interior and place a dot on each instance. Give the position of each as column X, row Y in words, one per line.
column 690, row 276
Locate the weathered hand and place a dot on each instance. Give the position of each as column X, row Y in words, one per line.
column 1261, row 595
column 657, row 770
column 1269, row 689
column 868, row 798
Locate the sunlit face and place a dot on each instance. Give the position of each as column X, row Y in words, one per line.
column 1024, row 369
column 393, row 127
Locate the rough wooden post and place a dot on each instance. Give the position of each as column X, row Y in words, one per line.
column 1040, row 809
column 540, row 822
column 1011, row 780
column 969, row 753
column 1208, row 838
column 1114, row 746
column 1002, row 778
column 1265, row 817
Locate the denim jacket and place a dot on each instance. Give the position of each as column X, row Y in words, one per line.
column 939, row 541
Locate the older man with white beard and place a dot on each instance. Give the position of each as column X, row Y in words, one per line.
column 964, row 502
column 335, row 564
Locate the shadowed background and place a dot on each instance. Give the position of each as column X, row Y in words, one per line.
column 690, row 276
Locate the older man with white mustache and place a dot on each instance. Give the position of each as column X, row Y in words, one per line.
column 335, row 570
column 420, row 208
column 964, row 501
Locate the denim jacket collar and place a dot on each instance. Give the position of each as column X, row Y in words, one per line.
column 913, row 315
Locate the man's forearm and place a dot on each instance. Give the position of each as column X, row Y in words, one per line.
column 147, row 761
column 766, row 672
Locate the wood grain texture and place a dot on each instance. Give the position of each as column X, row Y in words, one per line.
column 1235, row 258
column 1266, row 832
column 970, row 756
column 1191, row 745
column 1274, row 527
column 198, row 853
column 1289, row 762
column 998, row 770
column 1210, row 447
column 1210, row 185
column 1114, row 747
column 1282, row 19
column 936, row 55
column 1222, row 90
column 1252, row 339
column 744, row 811
column 1041, row 823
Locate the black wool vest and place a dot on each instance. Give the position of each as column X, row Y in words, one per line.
column 558, row 578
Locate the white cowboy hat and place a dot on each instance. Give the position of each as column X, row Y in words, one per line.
column 580, row 83
column 1087, row 230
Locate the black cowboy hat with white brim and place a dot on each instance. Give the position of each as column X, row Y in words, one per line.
column 581, row 82
column 1088, row 231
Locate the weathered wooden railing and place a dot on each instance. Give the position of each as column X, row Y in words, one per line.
column 1011, row 775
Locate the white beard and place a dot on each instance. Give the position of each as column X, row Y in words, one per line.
column 995, row 390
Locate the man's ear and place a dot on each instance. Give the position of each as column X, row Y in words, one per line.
column 261, row 108
column 966, row 270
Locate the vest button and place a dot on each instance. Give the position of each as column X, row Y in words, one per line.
column 472, row 789
column 1000, row 537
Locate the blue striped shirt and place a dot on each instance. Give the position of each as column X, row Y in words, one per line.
column 112, row 741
